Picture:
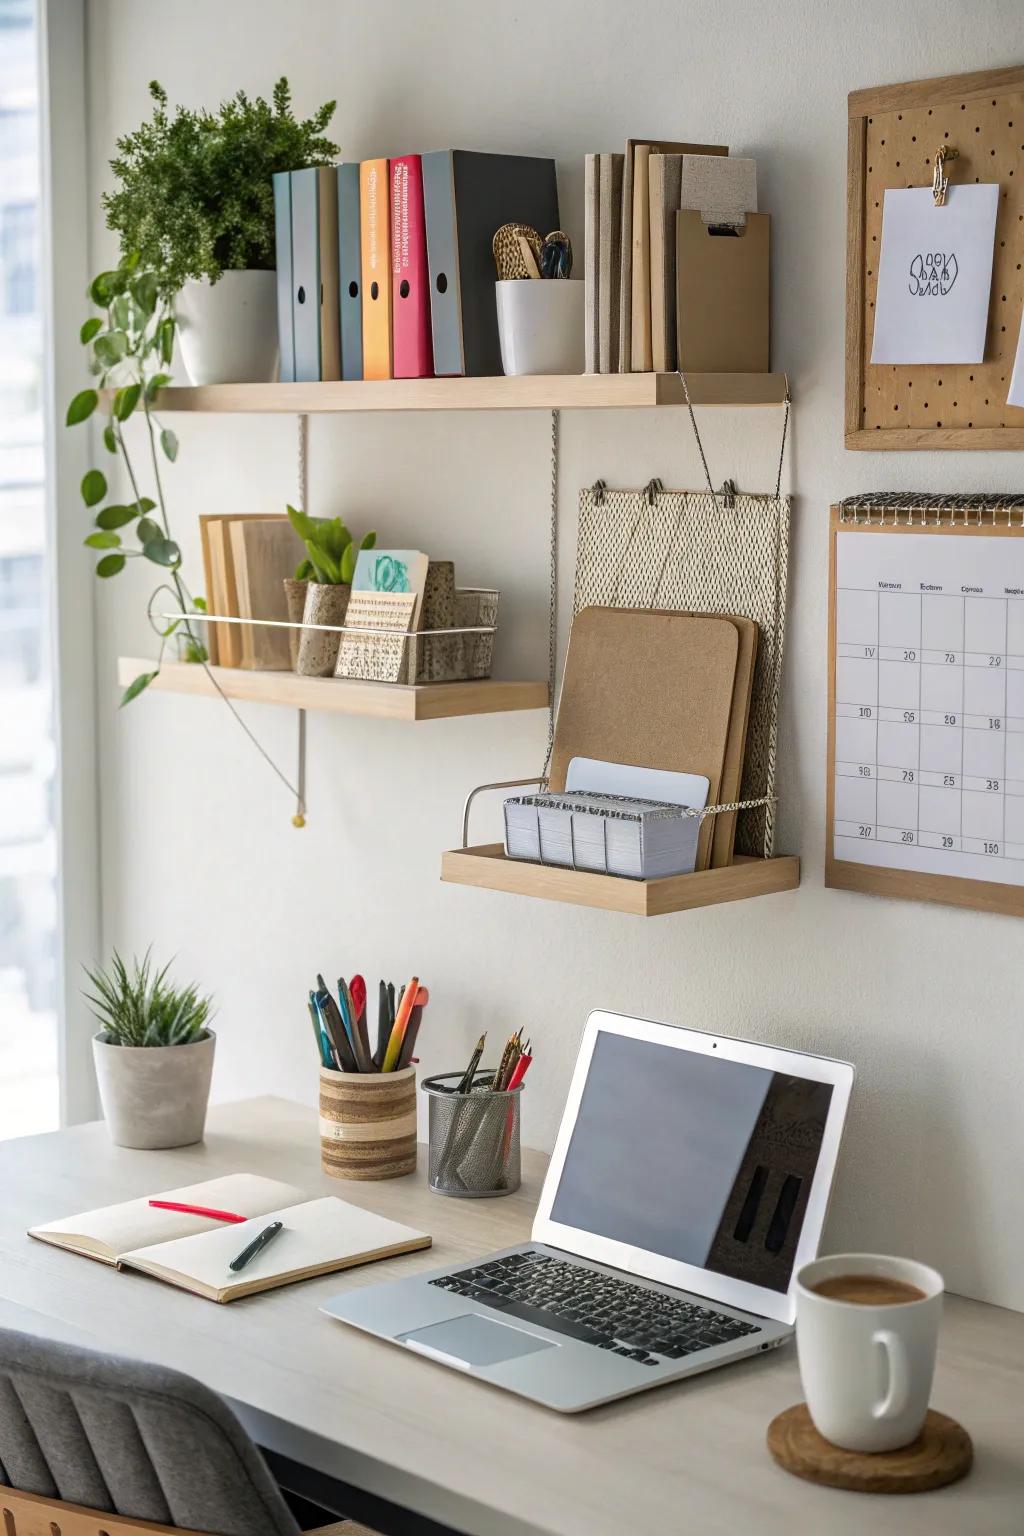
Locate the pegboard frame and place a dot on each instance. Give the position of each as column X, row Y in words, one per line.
column 912, row 97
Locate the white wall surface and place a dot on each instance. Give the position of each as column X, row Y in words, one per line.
column 199, row 855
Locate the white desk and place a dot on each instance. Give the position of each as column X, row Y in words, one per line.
column 689, row 1457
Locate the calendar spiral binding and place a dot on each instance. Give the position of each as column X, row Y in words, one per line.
column 924, row 509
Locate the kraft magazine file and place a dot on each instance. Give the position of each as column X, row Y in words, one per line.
column 194, row 1252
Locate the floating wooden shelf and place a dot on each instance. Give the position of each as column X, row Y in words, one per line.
column 339, row 696
column 489, row 869
column 547, row 392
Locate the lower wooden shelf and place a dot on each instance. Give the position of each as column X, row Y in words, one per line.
column 340, row 696
column 487, row 868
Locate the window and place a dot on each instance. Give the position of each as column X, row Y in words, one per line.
column 29, row 1099
column 19, row 254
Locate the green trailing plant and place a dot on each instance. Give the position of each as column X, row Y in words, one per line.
column 130, row 346
column 140, row 1007
column 330, row 549
column 194, row 194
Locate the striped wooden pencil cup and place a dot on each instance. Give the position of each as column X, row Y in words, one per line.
column 368, row 1123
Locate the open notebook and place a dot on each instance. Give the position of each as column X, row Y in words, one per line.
column 194, row 1252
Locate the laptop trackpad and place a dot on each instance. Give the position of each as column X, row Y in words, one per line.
column 474, row 1340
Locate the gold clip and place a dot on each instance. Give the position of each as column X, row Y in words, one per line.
column 940, row 181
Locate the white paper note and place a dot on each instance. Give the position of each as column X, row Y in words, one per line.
column 1016, row 395
column 935, row 275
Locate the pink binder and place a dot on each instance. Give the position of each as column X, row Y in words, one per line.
column 410, row 277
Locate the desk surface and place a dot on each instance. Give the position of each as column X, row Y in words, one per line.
column 472, row 1457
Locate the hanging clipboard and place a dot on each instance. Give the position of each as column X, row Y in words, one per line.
column 926, row 699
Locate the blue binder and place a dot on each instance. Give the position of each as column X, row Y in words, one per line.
column 349, row 271
column 306, row 275
column 283, row 244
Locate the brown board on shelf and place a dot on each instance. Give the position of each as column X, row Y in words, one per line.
column 894, row 133
column 880, row 517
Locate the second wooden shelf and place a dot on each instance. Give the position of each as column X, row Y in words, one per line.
column 340, row 696
column 487, row 868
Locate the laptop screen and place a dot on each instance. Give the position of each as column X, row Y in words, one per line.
column 695, row 1157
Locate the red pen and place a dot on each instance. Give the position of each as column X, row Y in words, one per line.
column 197, row 1210
column 521, row 1069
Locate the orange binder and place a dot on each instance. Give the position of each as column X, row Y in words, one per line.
column 375, row 235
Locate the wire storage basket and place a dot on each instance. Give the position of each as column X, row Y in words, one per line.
column 473, row 1137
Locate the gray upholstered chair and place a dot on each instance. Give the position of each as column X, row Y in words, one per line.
column 93, row 1445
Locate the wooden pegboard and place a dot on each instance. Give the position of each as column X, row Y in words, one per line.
column 894, row 132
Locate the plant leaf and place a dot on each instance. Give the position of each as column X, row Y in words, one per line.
column 126, row 400
column 109, row 439
column 136, row 686
column 162, row 551
column 82, row 406
column 90, row 329
column 115, row 516
column 169, row 443
column 369, row 540
column 144, row 292
column 103, row 540
column 110, row 348
column 195, row 652
column 94, row 487
column 199, row 604
column 148, row 530
column 105, row 287
column 326, row 567
column 110, row 565
column 165, row 339
column 156, row 383
column 348, row 564
column 305, row 527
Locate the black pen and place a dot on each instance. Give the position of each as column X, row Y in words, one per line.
column 257, row 1245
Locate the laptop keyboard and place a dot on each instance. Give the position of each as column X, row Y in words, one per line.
column 595, row 1308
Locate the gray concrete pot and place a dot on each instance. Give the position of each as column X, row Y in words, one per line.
column 154, row 1096
column 318, row 648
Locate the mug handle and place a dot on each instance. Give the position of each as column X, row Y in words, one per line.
column 895, row 1399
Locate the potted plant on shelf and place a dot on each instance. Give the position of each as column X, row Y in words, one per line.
column 153, row 1055
column 327, row 572
column 195, row 199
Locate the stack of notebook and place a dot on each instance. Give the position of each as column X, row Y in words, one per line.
column 631, row 204
column 612, row 834
column 245, row 561
column 400, row 253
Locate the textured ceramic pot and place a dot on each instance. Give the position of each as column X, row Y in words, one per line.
column 154, row 1096
column 228, row 329
column 540, row 325
column 295, row 598
column 318, row 648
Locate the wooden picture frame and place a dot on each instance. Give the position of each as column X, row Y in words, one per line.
column 893, row 135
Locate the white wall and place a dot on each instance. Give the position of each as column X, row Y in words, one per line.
column 199, row 855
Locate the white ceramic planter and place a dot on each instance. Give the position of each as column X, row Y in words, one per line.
column 540, row 325
column 228, row 329
column 154, row 1096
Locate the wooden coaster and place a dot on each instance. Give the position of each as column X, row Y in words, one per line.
column 941, row 1454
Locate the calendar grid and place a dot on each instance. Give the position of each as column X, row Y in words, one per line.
column 929, row 705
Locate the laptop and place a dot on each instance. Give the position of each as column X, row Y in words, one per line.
column 689, row 1181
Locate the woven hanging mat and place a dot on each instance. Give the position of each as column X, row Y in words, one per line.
column 691, row 551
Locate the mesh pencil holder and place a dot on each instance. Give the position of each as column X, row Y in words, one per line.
column 474, row 1138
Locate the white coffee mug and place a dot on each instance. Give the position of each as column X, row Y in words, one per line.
column 867, row 1370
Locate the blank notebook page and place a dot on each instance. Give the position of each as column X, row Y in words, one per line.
column 317, row 1234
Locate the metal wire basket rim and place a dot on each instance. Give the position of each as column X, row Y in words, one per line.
column 429, row 1085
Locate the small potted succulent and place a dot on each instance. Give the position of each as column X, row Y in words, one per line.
column 153, row 1054
column 195, row 198
column 327, row 572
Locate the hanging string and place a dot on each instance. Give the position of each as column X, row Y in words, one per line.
column 552, row 594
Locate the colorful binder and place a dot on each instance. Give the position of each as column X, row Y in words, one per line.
column 350, row 277
column 375, row 243
column 410, row 279
column 283, row 248
column 466, row 197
